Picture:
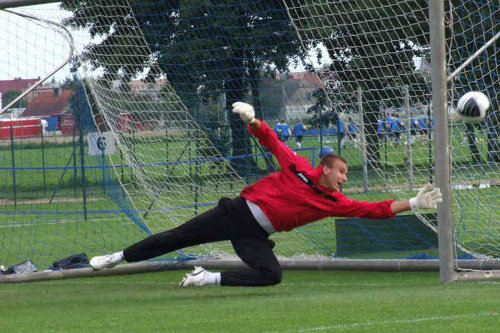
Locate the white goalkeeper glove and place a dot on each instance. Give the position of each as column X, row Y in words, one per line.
column 426, row 198
column 246, row 112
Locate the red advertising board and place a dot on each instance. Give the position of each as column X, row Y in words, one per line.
column 20, row 128
column 68, row 124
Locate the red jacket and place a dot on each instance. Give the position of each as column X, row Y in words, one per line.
column 289, row 202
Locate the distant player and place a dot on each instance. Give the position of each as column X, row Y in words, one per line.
column 388, row 127
column 381, row 129
column 396, row 127
column 352, row 129
column 277, row 128
column 296, row 195
column 424, row 126
column 298, row 132
column 414, row 126
column 285, row 131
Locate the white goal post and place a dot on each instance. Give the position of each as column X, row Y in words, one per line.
column 20, row 3
column 448, row 265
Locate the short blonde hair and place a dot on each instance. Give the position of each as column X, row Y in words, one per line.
column 329, row 160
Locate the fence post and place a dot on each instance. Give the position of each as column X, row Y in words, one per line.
column 75, row 172
column 43, row 158
column 13, row 164
column 363, row 140
column 429, row 142
column 82, row 167
column 197, row 189
column 120, row 134
column 339, row 137
column 135, row 161
column 103, row 167
column 409, row 147
column 386, row 157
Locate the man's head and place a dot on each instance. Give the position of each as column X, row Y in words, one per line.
column 334, row 173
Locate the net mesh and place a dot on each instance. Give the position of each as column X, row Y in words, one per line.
column 382, row 49
column 159, row 78
column 475, row 154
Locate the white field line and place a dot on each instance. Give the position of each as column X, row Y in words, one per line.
column 109, row 283
column 400, row 321
column 92, row 281
column 32, row 224
column 40, row 201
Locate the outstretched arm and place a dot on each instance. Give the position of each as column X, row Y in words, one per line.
column 427, row 198
column 400, row 206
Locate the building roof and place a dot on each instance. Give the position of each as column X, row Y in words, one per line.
column 311, row 79
column 48, row 103
column 17, row 84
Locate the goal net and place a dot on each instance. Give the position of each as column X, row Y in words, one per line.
column 154, row 142
column 382, row 49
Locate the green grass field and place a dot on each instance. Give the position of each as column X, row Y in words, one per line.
column 39, row 170
column 306, row 301
column 32, row 228
column 318, row 301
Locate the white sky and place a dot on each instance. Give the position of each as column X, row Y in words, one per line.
column 33, row 50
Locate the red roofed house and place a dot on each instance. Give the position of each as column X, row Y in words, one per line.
column 311, row 80
column 50, row 103
column 18, row 84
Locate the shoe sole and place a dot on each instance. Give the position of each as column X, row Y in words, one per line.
column 100, row 268
column 190, row 274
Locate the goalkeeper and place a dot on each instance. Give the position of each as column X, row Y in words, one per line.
column 281, row 201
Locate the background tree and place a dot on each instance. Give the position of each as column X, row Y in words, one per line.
column 322, row 112
column 377, row 56
column 10, row 95
column 224, row 47
column 379, row 64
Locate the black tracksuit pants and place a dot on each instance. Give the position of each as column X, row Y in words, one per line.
column 230, row 220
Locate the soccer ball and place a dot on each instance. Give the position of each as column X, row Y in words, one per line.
column 472, row 106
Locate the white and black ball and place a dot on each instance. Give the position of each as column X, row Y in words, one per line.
column 472, row 106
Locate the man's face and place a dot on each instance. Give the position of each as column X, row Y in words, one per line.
column 335, row 176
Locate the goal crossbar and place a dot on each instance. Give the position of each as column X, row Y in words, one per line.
column 20, row 3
